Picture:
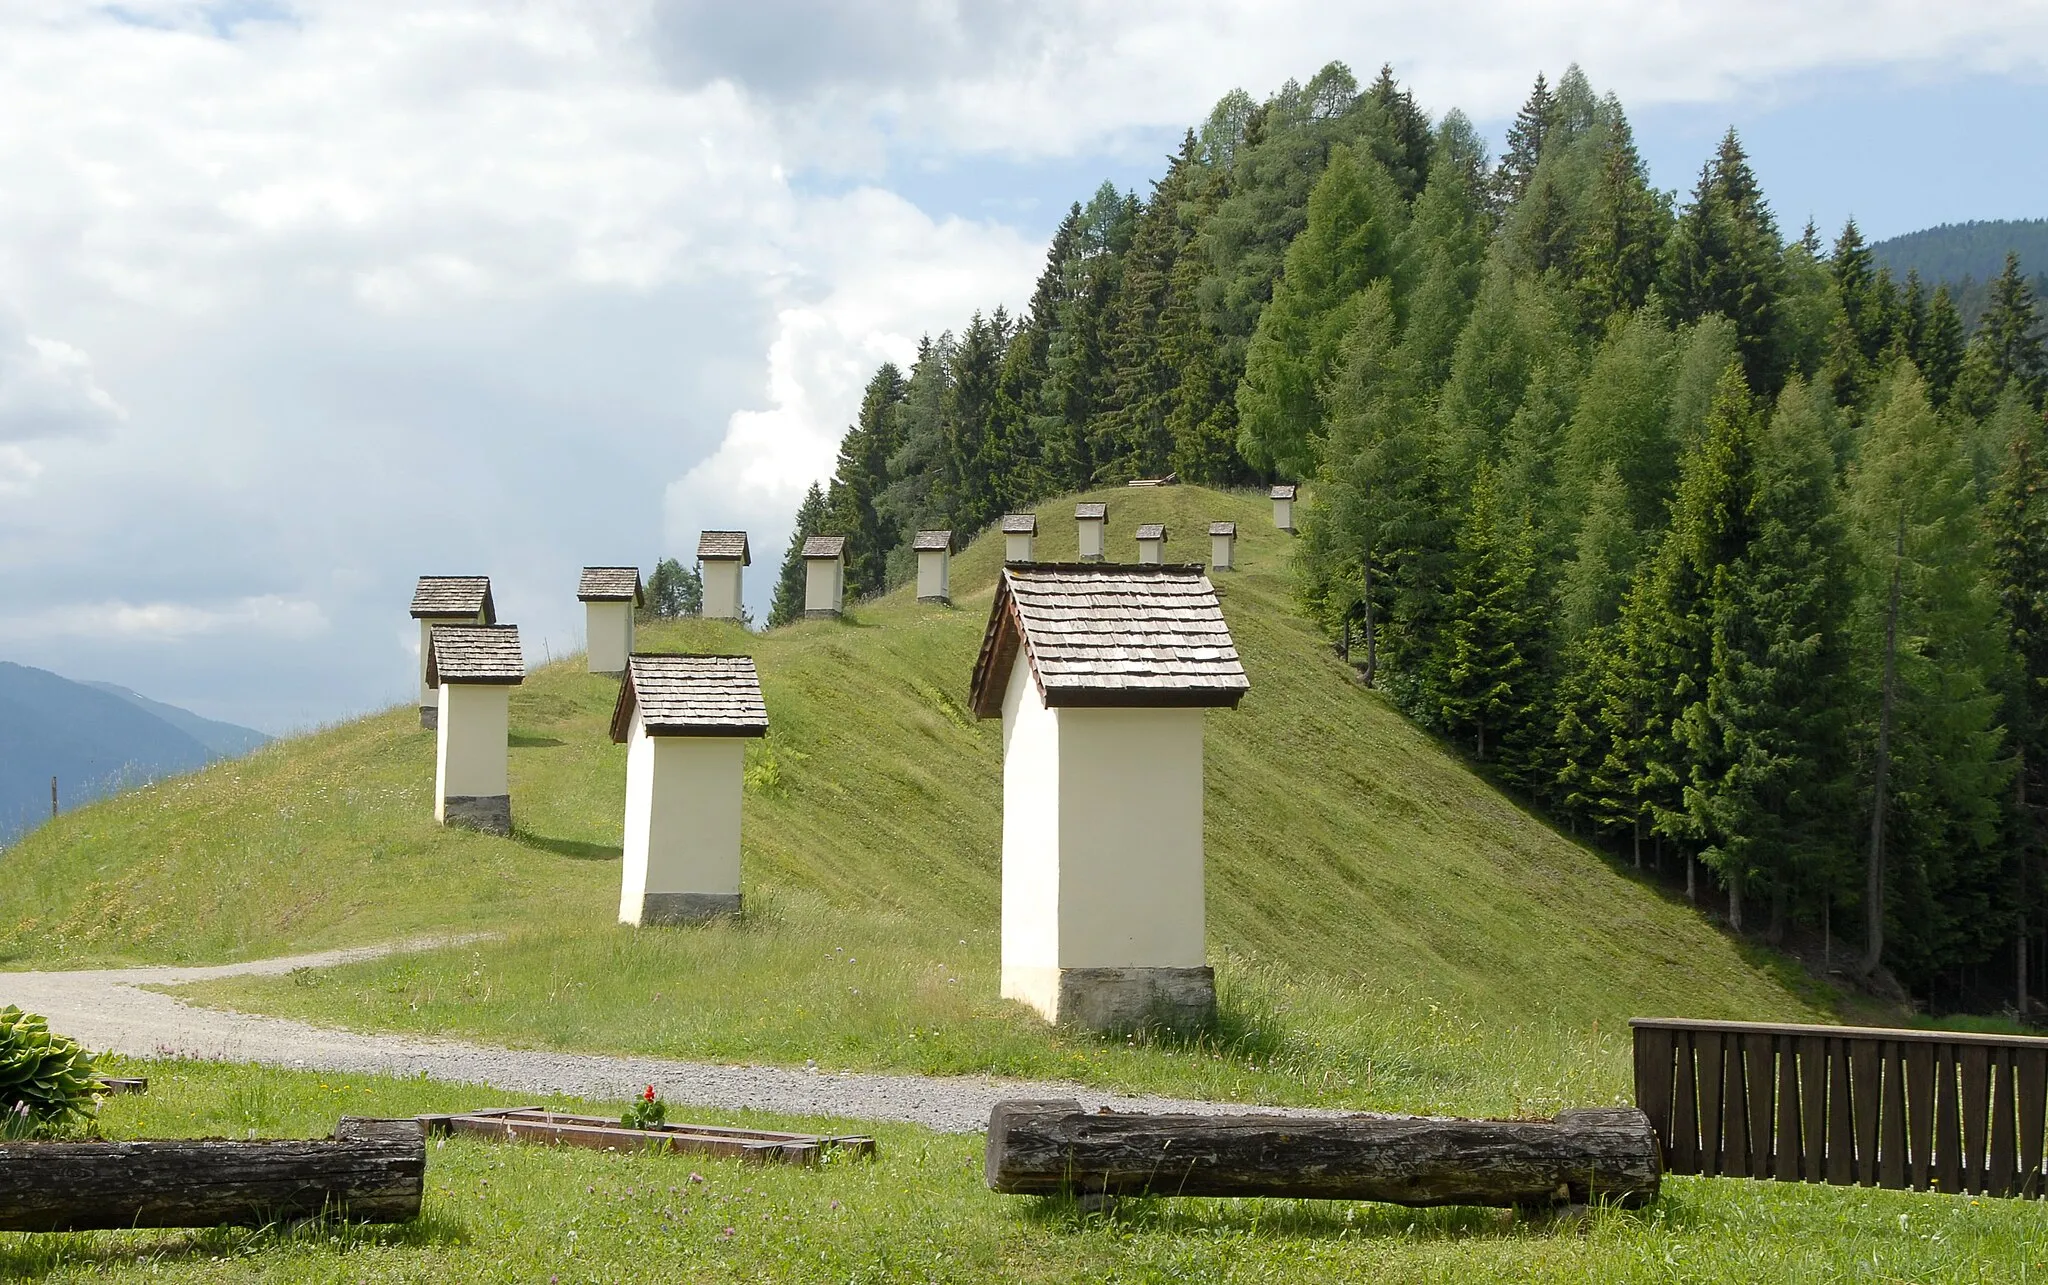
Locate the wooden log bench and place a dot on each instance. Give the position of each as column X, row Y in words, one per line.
column 537, row 1124
column 1046, row 1148
column 365, row 1174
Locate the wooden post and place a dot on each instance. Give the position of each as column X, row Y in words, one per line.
column 1581, row 1156
column 53, row 797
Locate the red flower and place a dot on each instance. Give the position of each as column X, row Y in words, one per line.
column 649, row 1095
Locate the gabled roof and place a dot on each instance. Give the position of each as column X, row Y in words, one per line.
column 1091, row 512
column 932, row 541
column 475, row 654
column 1152, row 531
column 1108, row 634
column 1283, row 491
column 609, row 584
column 1223, row 528
column 690, row 696
column 825, row 546
column 713, row 546
column 1020, row 524
column 454, row 596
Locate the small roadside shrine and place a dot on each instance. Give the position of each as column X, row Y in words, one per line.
column 609, row 596
column 1223, row 546
column 1020, row 532
column 474, row 669
column 1152, row 544
column 721, row 555
column 447, row 600
column 824, row 576
column 1283, row 506
column 685, row 721
column 1100, row 674
column 934, row 566
column 1089, row 522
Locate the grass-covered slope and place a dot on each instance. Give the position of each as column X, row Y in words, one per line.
column 1387, row 928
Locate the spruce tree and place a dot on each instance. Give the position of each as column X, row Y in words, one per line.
column 2007, row 349
column 1725, row 257
column 1131, row 435
column 1492, row 646
column 2018, row 517
column 1524, row 145
column 1623, row 424
column 674, row 591
column 1404, row 141
column 1939, row 354
column 859, row 479
column 1767, row 742
column 971, row 492
column 788, row 603
column 1625, row 230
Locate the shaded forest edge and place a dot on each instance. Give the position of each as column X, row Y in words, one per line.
column 1726, row 548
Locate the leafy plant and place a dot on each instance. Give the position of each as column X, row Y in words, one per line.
column 45, row 1079
column 645, row 1112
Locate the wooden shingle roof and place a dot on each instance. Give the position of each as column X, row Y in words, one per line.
column 475, row 654
column 825, row 546
column 1020, row 524
column 609, row 584
column 1091, row 512
column 932, row 541
column 713, row 546
column 1283, row 491
column 454, row 596
column 1152, row 531
column 690, row 696
column 1108, row 634
column 1223, row 528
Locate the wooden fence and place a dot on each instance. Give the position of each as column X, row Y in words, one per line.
column 1928, row 1110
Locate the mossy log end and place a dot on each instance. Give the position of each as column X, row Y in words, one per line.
column 1580, row 1157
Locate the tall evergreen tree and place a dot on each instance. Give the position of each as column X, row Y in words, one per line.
column 860, row 477
column 1939, row 354
column 2019, row 551
column 1524, row 145
column 1404, row 140
column 788, row 603
column 1767, row 741
column 971, row 496
column 2007, row 349
column 1625, row 231
column 1725, row 257
column 1492, row 663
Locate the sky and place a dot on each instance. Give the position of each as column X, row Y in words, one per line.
column 299, row 301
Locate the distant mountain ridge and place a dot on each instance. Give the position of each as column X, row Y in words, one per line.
column 1974, row 250
column 96, row 739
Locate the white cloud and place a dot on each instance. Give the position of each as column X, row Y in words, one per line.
column 47, row 389
column 268, row 617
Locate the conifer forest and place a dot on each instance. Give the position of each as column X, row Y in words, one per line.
column 1718, row 544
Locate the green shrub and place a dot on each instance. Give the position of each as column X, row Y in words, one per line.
column 45, row 1080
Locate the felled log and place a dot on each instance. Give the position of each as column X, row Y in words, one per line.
column 374, row 1176
column 1044, row 1148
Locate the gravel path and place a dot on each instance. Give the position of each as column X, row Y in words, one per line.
column 106, row 1009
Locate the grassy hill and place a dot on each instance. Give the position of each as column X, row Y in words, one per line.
column 1388, row 930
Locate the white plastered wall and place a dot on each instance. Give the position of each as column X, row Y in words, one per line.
column 1102, row 840
column 608, row 635
column 1222, row 552
column 1151, row 552
column 934, row 573
column 1283, row 514
column 721, row 588
column 471, row 743
column 1017, row 546
column 1089, row 531
column 824, row 583
column 682, row 817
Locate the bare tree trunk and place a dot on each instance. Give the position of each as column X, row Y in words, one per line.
column 1776, row 932
column 1692, row 887
column 1372, row 640
column 1873, row 884
column 1735, row 902
column 2020, row 960
column 1638, row 837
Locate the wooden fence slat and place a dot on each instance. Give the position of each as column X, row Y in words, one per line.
column 1976, row 1061
column 1891, row 1147
column 1841, row 1117
column 1762, row 1074
column 2032, row 1092
column 1709, row 1044
column 1791, row 1141
column 1734, row 1113
column 1920, row 1113
column 2004, row 1139
column 1653, row 1081
column 1684, row 1154
column 1948, row 1128
column 1865, row 1072
column 1813, row 1106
